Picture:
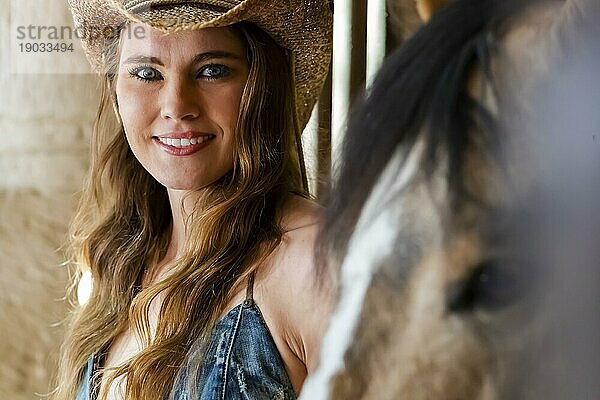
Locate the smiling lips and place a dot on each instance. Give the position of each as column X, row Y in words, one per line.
column 183, row 144
column 179, row 143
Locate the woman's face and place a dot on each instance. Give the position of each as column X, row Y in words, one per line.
column 179, row 97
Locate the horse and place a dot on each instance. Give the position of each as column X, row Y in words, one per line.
column 464, row 268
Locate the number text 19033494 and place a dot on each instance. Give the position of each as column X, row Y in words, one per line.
column 45, row 47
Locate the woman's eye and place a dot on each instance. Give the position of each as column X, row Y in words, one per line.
column 145, row 74
column 214, row 71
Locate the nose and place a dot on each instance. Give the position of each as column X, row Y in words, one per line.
column 179, row 101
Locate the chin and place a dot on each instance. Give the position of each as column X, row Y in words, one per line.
column 189, row 183
column 186, row 185
column 176, row 184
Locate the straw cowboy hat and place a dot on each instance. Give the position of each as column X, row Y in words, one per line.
column 302, row 26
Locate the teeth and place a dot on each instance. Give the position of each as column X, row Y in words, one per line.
column 179, row 143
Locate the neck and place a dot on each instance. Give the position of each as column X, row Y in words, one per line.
column 182, row 204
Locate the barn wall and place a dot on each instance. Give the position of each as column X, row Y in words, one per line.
column 45, row 122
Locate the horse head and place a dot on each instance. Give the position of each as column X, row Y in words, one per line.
column 438, row 215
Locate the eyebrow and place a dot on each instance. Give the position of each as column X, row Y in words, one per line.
column 199, row 58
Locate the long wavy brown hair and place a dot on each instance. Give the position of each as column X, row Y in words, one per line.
column 122, row 229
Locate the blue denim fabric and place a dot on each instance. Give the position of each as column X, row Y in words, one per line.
column 240, row 361
column 84, row 388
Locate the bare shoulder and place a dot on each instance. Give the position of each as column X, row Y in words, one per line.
column 296, row 253
column 300, row 297
column 301, row 214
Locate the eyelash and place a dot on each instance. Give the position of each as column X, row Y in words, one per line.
column 225, row 71
column 133, row 72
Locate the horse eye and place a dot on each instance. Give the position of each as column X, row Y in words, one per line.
column 493, row 284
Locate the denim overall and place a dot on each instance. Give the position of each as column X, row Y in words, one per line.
column 240, row 361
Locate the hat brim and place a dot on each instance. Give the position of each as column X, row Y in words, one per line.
column 180, row 15
column 304, row 27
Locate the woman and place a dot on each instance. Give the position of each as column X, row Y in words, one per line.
column 195, row 212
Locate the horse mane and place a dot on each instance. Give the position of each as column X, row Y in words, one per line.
column 420, row 92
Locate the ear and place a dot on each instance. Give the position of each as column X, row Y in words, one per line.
column 427, row 8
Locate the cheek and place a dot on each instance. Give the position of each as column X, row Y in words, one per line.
column 228, row 107
column 134, row 110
